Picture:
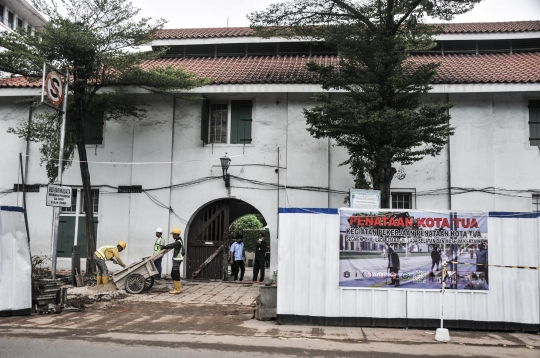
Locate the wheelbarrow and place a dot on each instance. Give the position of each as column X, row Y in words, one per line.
column 139, row 276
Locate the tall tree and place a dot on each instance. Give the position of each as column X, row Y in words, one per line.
column 97, row 40
column 381, row 120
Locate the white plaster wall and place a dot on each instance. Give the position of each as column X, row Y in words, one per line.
column 490, row 148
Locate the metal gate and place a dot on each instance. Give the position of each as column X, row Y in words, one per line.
column 207, row 235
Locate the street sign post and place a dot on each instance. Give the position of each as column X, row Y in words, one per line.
column 58, row 195
column 56, row 90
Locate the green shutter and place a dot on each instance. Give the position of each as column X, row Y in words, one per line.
column 241, row 119
column 534, row 123
column 66, row 234
column 93, row 131
column 205, row 113
column 81, row 234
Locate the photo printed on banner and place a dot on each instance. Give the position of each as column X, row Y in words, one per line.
column 406, row 249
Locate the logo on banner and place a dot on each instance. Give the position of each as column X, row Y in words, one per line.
column 367, row 274
column 54, row 87
column 405, row 275
column 379, row 274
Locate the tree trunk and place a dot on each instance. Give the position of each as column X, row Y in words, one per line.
column 88, row 209
column 382, row 179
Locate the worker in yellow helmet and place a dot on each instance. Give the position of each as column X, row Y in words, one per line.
column 107, row 253
column 178, row 257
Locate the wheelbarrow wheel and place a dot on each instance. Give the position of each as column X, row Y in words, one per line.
column 148, row 283
column 135, row 283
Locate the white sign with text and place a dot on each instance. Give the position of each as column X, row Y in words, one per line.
column 58, row 195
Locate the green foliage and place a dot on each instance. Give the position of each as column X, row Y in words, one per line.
column 246, row 222
column 381, row 119
column 45, row 128
column 97, row 41
column 252, row 236
column 38, row 269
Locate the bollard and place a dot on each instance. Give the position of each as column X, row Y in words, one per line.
column 75, row 263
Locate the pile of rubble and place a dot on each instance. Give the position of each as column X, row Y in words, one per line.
column 48, row 295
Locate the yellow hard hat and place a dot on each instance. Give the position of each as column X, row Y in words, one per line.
column 176, row 231
column 122, row 243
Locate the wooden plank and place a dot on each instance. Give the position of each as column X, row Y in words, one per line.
column 208, row 223
column 208, row 260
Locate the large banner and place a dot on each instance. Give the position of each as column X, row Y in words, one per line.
column 406, row 249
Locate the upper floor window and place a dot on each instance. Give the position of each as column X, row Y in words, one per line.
column 534, row 123
column 226, row 122
column 11, row 20
column 219, row 114
column 536, row 202
column 19, row 23
column 2, row 11
column 93, row 132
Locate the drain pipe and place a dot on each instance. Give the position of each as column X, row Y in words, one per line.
column 449, row 164
column 171, row 179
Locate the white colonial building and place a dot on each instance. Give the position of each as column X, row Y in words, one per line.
column 165, row 171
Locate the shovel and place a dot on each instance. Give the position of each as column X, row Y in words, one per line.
column 79, row 279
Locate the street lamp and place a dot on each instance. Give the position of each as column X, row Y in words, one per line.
column 225, row 162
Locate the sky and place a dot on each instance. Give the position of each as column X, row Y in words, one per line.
column 220, row 13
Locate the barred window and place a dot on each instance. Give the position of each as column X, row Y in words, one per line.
column 401, row 201
column 536, row 203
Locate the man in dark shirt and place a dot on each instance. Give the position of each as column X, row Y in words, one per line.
column 260, row 258
column 178, row 257
column 435, row 258
column 393, row 265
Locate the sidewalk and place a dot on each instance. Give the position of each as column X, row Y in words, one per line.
column 214, row 314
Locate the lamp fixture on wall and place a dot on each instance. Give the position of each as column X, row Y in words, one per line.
column 225, row 162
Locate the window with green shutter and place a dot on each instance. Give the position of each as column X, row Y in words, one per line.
column 241, row 119
column 66, row 235
column 534, row 123
column 93, row 131
column 205, row 113
column 215, row 126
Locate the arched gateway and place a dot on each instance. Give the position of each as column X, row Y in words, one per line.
column 208, row 238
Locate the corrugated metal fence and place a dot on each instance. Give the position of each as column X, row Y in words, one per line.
column 308, row 279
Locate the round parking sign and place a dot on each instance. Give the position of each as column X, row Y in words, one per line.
column 54, row 87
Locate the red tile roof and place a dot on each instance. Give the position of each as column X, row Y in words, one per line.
column 450, row 28
column 483, row 27
column 485, row 68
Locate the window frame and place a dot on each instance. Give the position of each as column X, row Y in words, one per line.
column 228, row 133
column 94, row 204
column 12, row 27
column 528, row 124
column 95, row 145
column 402, row 191
column 229, row 121
column 535, row 203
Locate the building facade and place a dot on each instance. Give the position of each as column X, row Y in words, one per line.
column 164, row 171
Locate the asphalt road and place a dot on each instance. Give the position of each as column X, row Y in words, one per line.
column 59, row 348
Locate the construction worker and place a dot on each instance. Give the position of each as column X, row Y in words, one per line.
column 157, row 248
column 107, row 253
column 178, row 257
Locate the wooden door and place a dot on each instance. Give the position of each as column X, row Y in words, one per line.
column 208, row 234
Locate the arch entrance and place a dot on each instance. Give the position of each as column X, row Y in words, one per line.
column 208, row 238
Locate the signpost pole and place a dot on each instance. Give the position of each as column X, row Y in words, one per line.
column 59, row 177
